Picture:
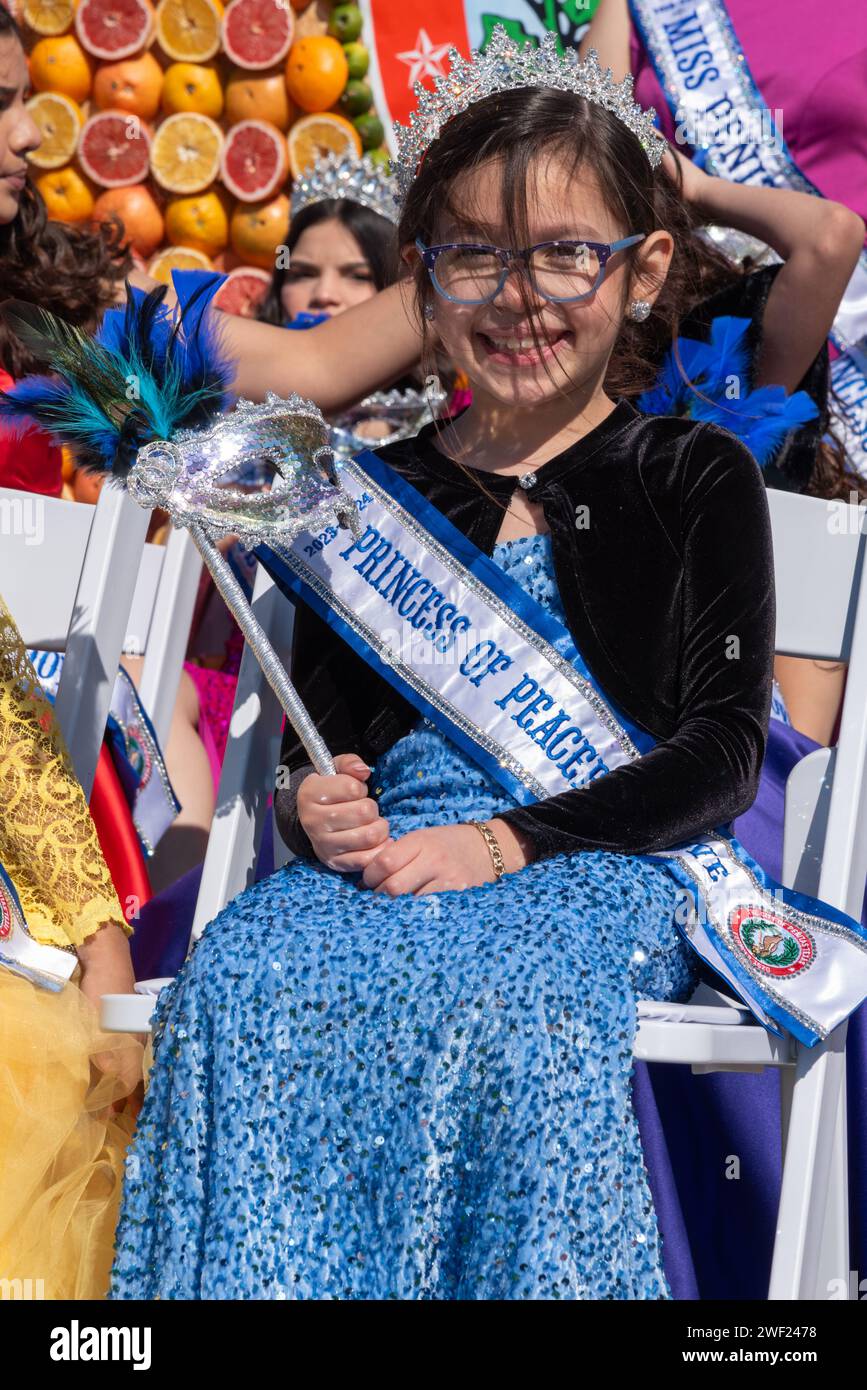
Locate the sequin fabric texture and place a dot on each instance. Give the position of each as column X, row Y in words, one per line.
column 364, row 1097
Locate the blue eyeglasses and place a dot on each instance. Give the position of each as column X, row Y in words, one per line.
column 563, row 272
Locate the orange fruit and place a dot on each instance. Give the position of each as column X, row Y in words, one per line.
column 61, row 65
column 142, row 220
column 318, row 135
column 66, row 195
column 185, row 155
column 189, row 30
column 192, row 87
column 199, row 222
column 176, row 258
column 48, row 16
column 257, row 229
column 132, row 85
column 59, row 119
column 316, row 72
column 257, row 96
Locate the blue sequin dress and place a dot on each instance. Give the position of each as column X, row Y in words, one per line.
column 364, row 1097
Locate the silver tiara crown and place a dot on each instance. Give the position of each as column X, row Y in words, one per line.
column 346, row 176
column 503, row 66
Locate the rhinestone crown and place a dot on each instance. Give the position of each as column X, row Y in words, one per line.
column 503, row 66
column 347, row 176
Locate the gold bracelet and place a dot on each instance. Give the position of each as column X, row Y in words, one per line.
column 493, row 847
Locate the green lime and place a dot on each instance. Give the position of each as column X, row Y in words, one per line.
column 345, row 23
column 358, row 59
column 357, row 97
column 380, row 156
column 370, row 128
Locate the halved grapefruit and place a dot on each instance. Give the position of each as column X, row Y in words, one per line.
column 254, row 163
column 243, row 291
column 113, row 29
column 258, row 33
column 114, row 149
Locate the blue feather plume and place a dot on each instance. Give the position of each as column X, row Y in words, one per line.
column 698, row 385
column 147, row 373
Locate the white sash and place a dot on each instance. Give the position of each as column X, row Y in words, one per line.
column 503, row 678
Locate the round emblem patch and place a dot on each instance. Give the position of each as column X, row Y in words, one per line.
column 774, row 943
column 139, row 755
column 5, row 916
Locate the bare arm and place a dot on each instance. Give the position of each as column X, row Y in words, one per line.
column 609, row 35
column 334, row 364
column 819, row 241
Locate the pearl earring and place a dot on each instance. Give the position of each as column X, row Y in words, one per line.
column 428, row 312
column 639, row 310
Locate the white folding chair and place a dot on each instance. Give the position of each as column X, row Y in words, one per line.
column 159, row 623
column 821, row 588
column 80, row 579
column 68, row 574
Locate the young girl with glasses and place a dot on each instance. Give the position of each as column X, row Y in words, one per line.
column 400, row 1068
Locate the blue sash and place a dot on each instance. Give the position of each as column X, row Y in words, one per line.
column 720, row 112
column 502, row 678
column 135, row 751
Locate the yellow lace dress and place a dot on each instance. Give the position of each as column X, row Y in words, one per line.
column 67, row 1102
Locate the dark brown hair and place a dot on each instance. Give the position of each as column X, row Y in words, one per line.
column 514, row 128
column 72, row 271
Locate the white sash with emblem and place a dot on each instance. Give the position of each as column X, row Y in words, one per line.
column 504, row 680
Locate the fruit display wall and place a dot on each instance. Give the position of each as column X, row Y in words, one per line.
column 188, row 120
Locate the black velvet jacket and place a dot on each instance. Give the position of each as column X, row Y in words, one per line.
column 668, row 593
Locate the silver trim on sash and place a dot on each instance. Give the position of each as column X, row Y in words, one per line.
column 501, row 608
column 798, row 965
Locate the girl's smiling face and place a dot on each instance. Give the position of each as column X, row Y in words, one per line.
column 328, row 272
column 494, row 342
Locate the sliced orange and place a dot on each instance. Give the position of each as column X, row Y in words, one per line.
column 318, row 135
column 189, row 30
column 60, row 120
column 177, row 258
column 185, row 154
column 48, row 16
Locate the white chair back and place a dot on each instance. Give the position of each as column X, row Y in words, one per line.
column 80, row 579
column 249, row 765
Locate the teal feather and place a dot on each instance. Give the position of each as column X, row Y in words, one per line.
column 148, row 373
